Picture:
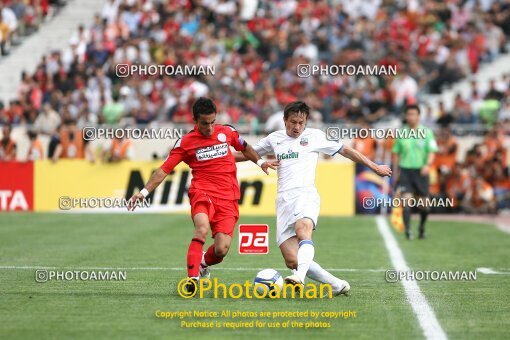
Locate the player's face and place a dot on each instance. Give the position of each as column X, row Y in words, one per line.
column 412, row 117
column 295, row 124
column 206, row 123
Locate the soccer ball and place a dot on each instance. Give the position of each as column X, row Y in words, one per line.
column 267, row 280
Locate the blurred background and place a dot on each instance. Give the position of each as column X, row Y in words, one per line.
column 58, row 59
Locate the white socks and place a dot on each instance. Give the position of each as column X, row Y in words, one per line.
column 309, row 268
column 305, row 255
column 317, row 273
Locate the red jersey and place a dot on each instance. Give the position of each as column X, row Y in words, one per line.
column 210, row 159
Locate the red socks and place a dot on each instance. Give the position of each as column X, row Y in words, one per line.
column 195, row 256
column 210, row 256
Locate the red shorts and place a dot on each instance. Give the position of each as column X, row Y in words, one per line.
column 223, row 214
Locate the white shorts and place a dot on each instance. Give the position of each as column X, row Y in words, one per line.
column 292, row 205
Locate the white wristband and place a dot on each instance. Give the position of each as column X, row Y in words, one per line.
column 144, row 192
column 260, row 162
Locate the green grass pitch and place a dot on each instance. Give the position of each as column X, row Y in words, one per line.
column 126, row 309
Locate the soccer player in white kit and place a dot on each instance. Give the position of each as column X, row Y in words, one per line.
column 297, row 149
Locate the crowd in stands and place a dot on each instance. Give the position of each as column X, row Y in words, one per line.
column 481, row 182
column 487, row 107
column 255, row 47
column 20, row 18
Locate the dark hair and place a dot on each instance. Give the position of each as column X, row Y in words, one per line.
column 412, row 107
column 297, row 107
column 203, row 106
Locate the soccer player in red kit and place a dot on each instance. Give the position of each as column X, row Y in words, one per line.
column 214, row 190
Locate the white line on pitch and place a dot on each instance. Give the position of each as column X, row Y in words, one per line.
column 177, row 268
column 483, row 270
column 491, row 271
column 426, row 317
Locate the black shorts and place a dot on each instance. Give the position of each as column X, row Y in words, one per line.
column 411, row 181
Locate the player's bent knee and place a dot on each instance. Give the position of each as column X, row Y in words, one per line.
column 221, row 250
column 221, row 244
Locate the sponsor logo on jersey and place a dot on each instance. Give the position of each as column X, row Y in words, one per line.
column 288, row 155
column 211, row 152
column 304, row 141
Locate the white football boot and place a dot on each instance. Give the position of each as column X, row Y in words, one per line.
column 295, row 281
column 341, row 287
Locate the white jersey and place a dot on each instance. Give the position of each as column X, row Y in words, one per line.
column 298, row 156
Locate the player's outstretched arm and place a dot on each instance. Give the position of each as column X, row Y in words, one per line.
column 250, row 154
column 157, row 177
column 358, row 157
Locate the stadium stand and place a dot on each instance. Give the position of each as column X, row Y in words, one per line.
column 433, row 45
column 256, row 46
column 19, row 19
